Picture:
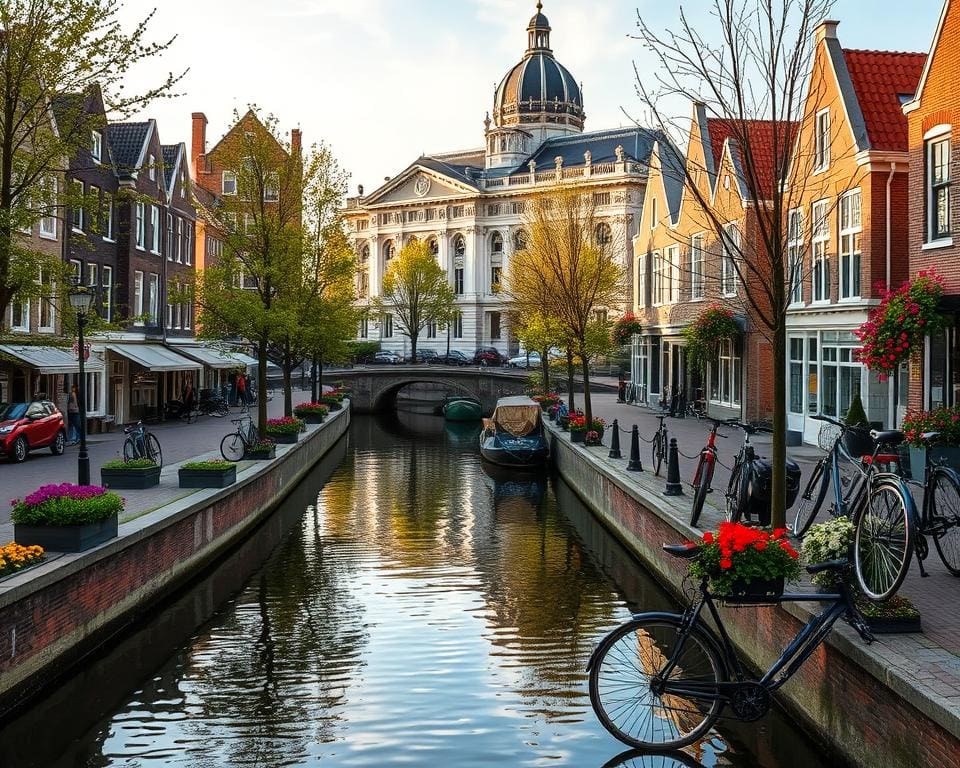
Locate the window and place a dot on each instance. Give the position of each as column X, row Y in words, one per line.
column 154, row 229
column 496, row 243
column 840, row 373
column 850, row 230
column 495, row 279
column 187, row 315
column 152, row 167
column 107, row 277
column 456, row 212
column 179, row 257
column 20, row 316
column 271, row 187
column 433, row 245
column 141, row 227
column 364, row 328
column 76, row 269
column 601, row 198
column 92, row 281
column 795, row 254
column 154, row 298
column 77, row 205
column 459, row 247
column 796, row 375
column 519, row 240
column 93, row 195
column 728, row 266
column 494, row 326
column 387, row 251
column 602, row 234
column 673, row 265
column 820, row 235
column 178, row 315
column 519, row 208
column 187, row 244
column 642, row 281
column 696, row 268
column 169, row 315
column 108, row 217
column 388, row 326
column 938, row 194
column 458, row 325
column 96, row 146
column 183, row 194
column 46, row 303
column 657, row 278
column 48, row 224
column 228, row 183
column 821, row 148
column 432, row 329
column 493, row 209
column 654, row 214
column 458, row 281
column 138, row 297
column 725, row 379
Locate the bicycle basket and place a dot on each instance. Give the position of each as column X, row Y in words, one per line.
column 828, row 436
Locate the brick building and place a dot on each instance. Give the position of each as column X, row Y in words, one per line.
column 933, row 116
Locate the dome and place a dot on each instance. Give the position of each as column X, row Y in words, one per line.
column 539, row 89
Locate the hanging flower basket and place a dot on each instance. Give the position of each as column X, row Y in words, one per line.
column 897, row 326
column 625, row 328
column 703, row 336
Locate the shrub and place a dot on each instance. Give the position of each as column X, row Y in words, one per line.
column 739, row 553
column 130, row 464
column 944, row 421
column 214, row 465
column 285, row 426
column 856, row 416
column 15, row 556
column 311, row 409
column 827, row 541
column 261, row 447
column 625, row 328
column 66, row 504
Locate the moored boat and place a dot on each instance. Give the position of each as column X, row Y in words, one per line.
column 515, row 437
column 459, row 408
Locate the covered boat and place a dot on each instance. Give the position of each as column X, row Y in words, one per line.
column 515, row 437
column 461, row 408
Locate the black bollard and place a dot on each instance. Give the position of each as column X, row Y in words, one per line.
column 674, row 487
column 635, row 465
column 615, row 442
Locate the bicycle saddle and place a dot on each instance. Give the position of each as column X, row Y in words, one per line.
column 682, row 550
column 888, row 436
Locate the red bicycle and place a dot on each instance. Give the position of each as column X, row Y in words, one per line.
column 707, row 465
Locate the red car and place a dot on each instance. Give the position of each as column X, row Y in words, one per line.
column 25, row 427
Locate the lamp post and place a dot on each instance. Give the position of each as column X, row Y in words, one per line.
column 80, row 299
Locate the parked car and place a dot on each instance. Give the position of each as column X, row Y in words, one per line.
column 525, row 361
column 25, row 427
column 385, row 357
column 487, row 356
column 453, row 357
column 427, row 356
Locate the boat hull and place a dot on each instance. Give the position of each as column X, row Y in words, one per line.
column 462, row 410
column 517, row 452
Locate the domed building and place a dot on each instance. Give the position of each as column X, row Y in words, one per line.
column 469, row 204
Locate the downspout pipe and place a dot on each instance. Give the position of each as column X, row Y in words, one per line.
column 893, row 170
column 891, row 390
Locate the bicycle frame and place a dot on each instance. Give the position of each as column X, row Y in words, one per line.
column 709, row 452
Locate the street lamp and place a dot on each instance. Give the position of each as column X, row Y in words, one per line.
column 80, row 300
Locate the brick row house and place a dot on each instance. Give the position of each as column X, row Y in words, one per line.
column 933, row 118
column 683, row 267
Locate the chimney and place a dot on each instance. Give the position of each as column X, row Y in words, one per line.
column 295, row 141
column 826, row 30
column 198, row 143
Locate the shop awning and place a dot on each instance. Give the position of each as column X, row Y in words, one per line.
column 212, row 357
column 51, row 359
column 252, row 362
column 154, row 357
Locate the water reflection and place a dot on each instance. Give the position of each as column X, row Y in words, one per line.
column 417, row 609
column 640, row 759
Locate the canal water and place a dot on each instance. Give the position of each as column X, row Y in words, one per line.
column 405, row 606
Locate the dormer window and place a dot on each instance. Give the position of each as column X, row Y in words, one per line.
column 96, row 145
column 228, row 183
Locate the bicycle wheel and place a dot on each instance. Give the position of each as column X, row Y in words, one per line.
column 703, row 479
column 882, row 541
column 220, row 409
column 153, row 449
column 253, row 435
column 626, row 669
column 736, row 494
column 130, row 451
column 812, row 499
column 232, row 447
column 657, row 451
column 945, row 519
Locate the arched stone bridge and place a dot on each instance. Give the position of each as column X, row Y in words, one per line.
column 375, row 388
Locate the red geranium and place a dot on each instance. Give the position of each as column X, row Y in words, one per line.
column 740, row 553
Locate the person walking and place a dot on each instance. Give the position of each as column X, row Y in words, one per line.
column 73, row 415
column 241, row 389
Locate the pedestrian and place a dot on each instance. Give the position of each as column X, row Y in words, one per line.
column 188, row 396
column 73, row 415
column 233, row 387
column 242, row 389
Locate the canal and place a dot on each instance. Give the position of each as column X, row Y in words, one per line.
column 402, row 607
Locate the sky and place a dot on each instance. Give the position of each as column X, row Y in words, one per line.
column 384, row 81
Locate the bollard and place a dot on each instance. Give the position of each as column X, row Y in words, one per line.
column 615, row 442
column 674, row 487
column 635, row 465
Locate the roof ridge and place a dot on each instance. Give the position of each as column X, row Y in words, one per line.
column 876, row 51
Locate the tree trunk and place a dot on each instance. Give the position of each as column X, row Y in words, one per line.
column 778, row 490
column 572, row 406
column 587, row 405
column 287, row 387
column 413, row 347
column 545, row 368
column 262, row 384
column 314, row 381
column 320, row 376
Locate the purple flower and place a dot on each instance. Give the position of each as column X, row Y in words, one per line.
column 63, row 490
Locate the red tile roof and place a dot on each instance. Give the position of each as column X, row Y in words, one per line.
column 760, row 135
column 880, row 78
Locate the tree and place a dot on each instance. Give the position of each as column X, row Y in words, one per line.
column 53, row 48
column 537, row 330
column 755, row 71
column 416, row 291
column 567, row 273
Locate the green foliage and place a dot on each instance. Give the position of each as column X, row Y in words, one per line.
column 361, row 350
column 68, row 511
column 285, row 426
column 703, row 335
column 215, row 465
column 897, row 607
column 944, row 421
column 856, row 416
column 625, row 329
column 131, row 464
column 830, row 540
column 738, row 553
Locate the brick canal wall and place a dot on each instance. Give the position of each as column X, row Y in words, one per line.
column 846, row 695
column 63, row 609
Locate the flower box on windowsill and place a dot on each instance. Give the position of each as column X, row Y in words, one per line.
column 67, row 538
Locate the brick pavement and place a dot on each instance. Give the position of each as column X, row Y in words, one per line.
column 936, row 597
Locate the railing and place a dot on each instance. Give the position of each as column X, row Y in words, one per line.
column 572, row 173
column 546, row 176
column 518, row 180
column 495, row 182
column 604, row 168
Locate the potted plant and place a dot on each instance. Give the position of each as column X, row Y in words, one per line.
column 262, row 449
column 946, row 448
column 625, row 329
column 745, row 564
column 552, row 412
column 892, row 616
column 598, row 425
column 132, row 475
column 66, row 517
column 703, row 336
column 311, row 413
column 333, row 401
column 857, row 441
column 207, row 474
column 578, row 428
column 15, row 557
column 285, row 430
column 592, row 438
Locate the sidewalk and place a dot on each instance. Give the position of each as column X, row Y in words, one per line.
column 936, row 597
column 178, row 441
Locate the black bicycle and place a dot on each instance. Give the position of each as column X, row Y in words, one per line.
column 141, row 444
column 706, row 466
column 661, row 680
column 234, row 446
column 738, row 487
column 660, row 445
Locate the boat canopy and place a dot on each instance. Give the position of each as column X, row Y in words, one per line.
column 517, row 415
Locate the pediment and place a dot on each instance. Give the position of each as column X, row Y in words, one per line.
column 418, row 184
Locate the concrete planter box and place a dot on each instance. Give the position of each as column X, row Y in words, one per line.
column 578, row 435
column 310, row 418
column 130, row 479
column 208, row 478
column 333, row 405
column 264, row 456
column 284, row 439
column 67, row 538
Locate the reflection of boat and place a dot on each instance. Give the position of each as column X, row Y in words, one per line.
column 507, row 483
column 514, row 437
column 461, row 434
column 461, row 408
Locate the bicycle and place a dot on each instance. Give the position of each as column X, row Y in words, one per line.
column 739, row 483
column 141, row 444
column 234, row 446
column 661, row 680
column 705, row 469
column 660, row 444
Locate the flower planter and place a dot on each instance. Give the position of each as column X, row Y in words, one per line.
column 263, row 455
column 333, row 405
column 578, row 436
column 950, row 455
column 67, row 538
column 208, row 478
column 755, row 592
column 130, row 479
column 891, row 625
column 311, row 418
column 284, row 439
